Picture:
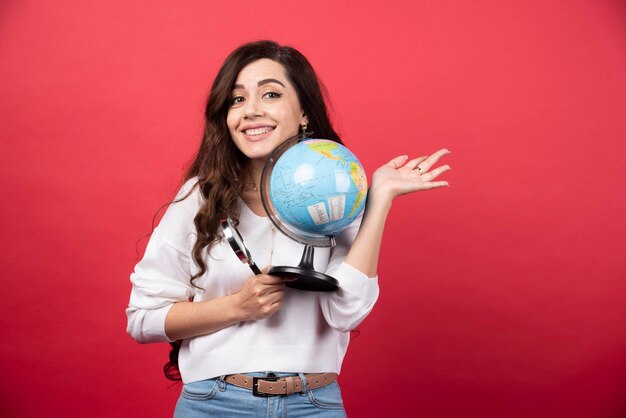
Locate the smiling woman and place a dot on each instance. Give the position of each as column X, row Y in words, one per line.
column 265, row 111
column 245, row 344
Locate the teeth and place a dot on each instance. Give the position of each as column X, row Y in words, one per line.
column 257, row 131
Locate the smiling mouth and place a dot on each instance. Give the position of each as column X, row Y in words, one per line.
column 258, row 131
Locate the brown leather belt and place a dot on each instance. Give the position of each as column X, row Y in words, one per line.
column 274, row 386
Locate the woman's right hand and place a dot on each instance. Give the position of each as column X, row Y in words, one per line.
column 261, row 296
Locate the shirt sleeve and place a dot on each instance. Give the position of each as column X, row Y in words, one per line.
column 162, row 276
column 346, row 307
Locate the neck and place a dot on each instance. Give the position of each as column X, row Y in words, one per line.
column 255, row 168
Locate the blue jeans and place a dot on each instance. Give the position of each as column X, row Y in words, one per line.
column 216, row 398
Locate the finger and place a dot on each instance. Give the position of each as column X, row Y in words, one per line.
column 274, row 307
column 432, row 159
column 272, row 299
column 431, row 175
column 434, row 184
column 284, row 277
column 263, row 292
column 289, row 279
column 274, row 288
column 415, row 162
column 268, row 279
column 398, row 162
column 268, row 299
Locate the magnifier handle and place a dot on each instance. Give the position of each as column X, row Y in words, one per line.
column 254, row 268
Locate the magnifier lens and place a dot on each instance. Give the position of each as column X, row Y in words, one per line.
column 236, row 243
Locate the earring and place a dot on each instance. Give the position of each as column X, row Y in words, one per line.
column 304, row 127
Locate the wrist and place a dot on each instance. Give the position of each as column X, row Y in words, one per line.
column 378, row 202
column 235, row 308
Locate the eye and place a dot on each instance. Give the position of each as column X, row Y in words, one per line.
column 236, row 100
column 272, row 95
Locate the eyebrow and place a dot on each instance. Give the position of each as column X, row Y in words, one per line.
column 260, row 83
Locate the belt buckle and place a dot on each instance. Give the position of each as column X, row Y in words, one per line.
column 255, row 386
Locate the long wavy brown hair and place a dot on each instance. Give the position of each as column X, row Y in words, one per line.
column 220, row 166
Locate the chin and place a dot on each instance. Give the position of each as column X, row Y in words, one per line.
column 258, row 154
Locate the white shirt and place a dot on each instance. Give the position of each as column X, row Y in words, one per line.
column 309, row 334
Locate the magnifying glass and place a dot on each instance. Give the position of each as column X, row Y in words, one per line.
column 236, row 243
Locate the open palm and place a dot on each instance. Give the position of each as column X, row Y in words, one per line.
column 401, row 175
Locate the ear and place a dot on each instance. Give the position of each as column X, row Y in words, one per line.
column 305, row 119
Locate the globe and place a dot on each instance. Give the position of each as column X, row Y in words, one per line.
column 312, row 189
column 317, row 188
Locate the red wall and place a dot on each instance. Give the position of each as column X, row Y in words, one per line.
column 502, row 296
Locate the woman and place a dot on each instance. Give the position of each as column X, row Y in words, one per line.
column 236, row 327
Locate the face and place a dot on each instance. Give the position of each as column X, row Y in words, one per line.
column 264, row 109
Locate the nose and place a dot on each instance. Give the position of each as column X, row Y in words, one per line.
column 253, row 108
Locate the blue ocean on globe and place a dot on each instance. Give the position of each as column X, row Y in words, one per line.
column 318, row 187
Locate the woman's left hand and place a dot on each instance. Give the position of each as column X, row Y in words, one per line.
column 401, row 176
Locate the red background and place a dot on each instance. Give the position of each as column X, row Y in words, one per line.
column 502, row 296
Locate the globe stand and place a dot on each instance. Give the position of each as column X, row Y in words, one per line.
column 306, row 276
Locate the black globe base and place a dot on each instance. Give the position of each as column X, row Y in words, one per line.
column 306, row 276
column 306, row 279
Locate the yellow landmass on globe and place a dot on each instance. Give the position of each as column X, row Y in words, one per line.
column 356, row 171
column 360, row 181
column 326, row 149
